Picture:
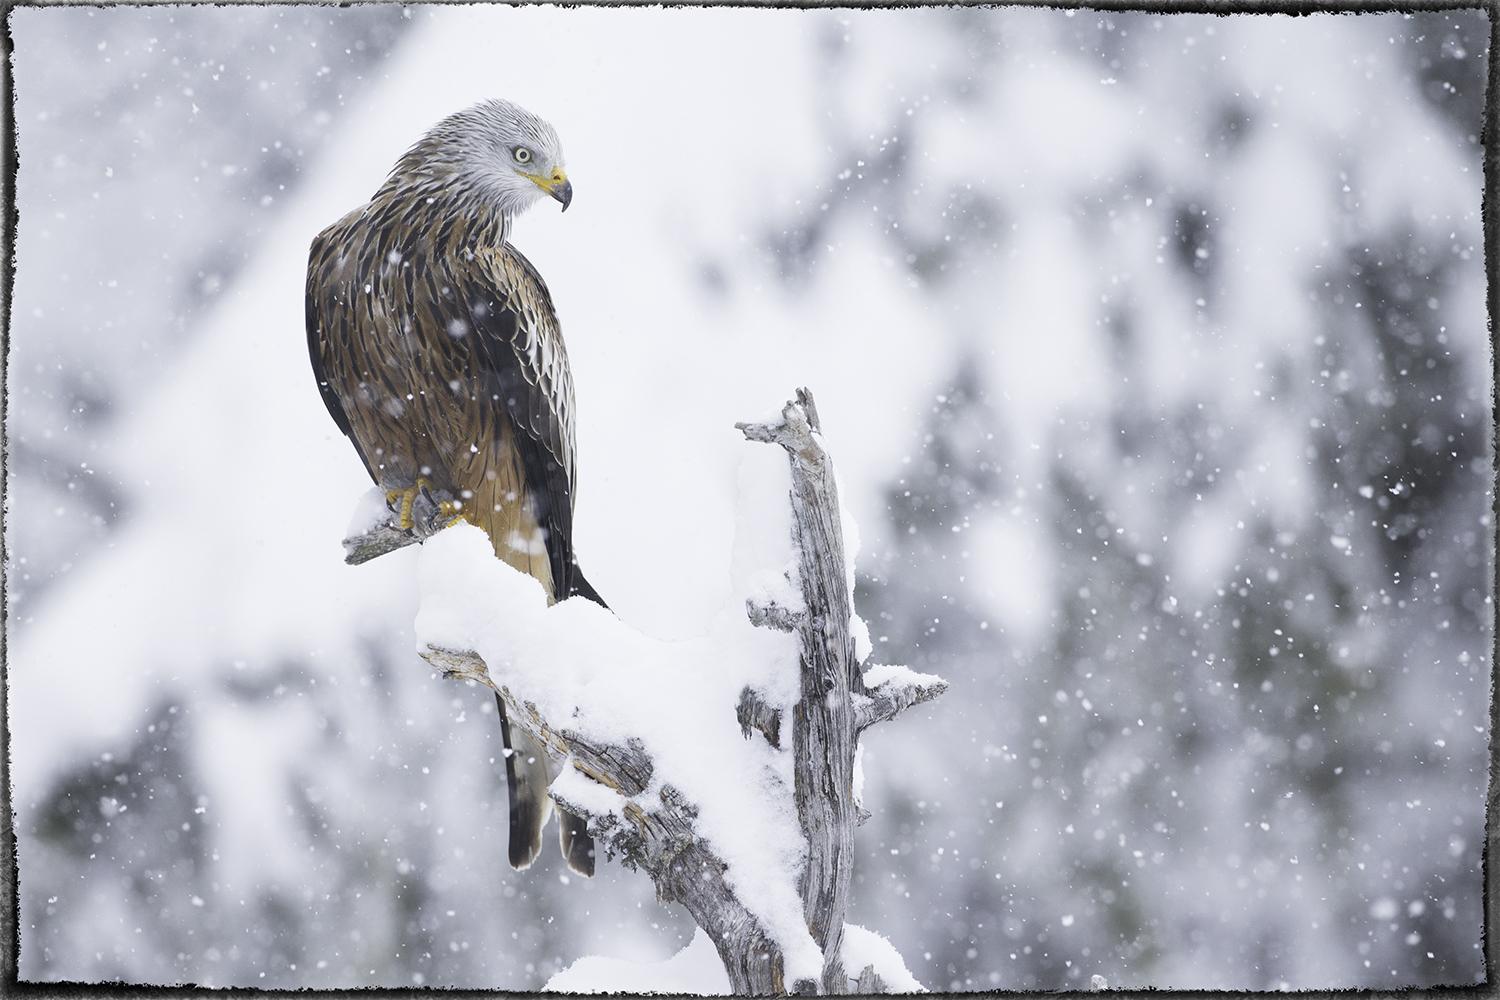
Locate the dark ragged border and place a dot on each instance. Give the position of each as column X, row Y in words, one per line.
column 1489, row 137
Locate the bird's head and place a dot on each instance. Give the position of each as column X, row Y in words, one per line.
column 498, row 151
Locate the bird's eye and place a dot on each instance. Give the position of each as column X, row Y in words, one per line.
column 522, row 154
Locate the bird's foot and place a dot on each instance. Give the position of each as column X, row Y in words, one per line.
column 455, row 513
column 401, row 502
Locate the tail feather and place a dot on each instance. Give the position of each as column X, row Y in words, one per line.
column 526, row 778
column 576, row 842
column 578, row 586
column 526, row 782
column 515, row 519
column 572, row 832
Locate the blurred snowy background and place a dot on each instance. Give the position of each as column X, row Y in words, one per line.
column 1153, row 352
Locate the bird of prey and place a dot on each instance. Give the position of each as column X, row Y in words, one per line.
column 438, row 352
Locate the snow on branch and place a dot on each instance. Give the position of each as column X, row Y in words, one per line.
column 648, row 825
column 889, row 691
column 375, row 529
column 757, row 714
column 754, row 836
column 826, row 720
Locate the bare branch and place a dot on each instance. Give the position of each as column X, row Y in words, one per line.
column 890, row 698
column 834, row 705
column 824, row 737
column 765, row 719
column 428, row 518
column 769, row 614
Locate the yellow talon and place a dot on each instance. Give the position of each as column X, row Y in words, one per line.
column 408, row 498
column 454, row 511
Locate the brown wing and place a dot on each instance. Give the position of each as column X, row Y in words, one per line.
column 523, row 366
column 330, row 398
column 315, row 347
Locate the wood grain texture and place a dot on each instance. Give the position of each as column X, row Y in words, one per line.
column 824, row 736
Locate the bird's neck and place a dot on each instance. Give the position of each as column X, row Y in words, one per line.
column 457, row 213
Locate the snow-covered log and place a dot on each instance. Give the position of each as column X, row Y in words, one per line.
column 643, row 805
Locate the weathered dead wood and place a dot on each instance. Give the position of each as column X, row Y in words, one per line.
column 769, row 614
column 755, row 713
column 658, row 837
column 834, row 707
column 823, row 730
column 657, row 833
column 869, row 982
column 428, row 518
column 890, row 698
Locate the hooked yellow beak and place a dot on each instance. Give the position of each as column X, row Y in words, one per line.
column 557, row 185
